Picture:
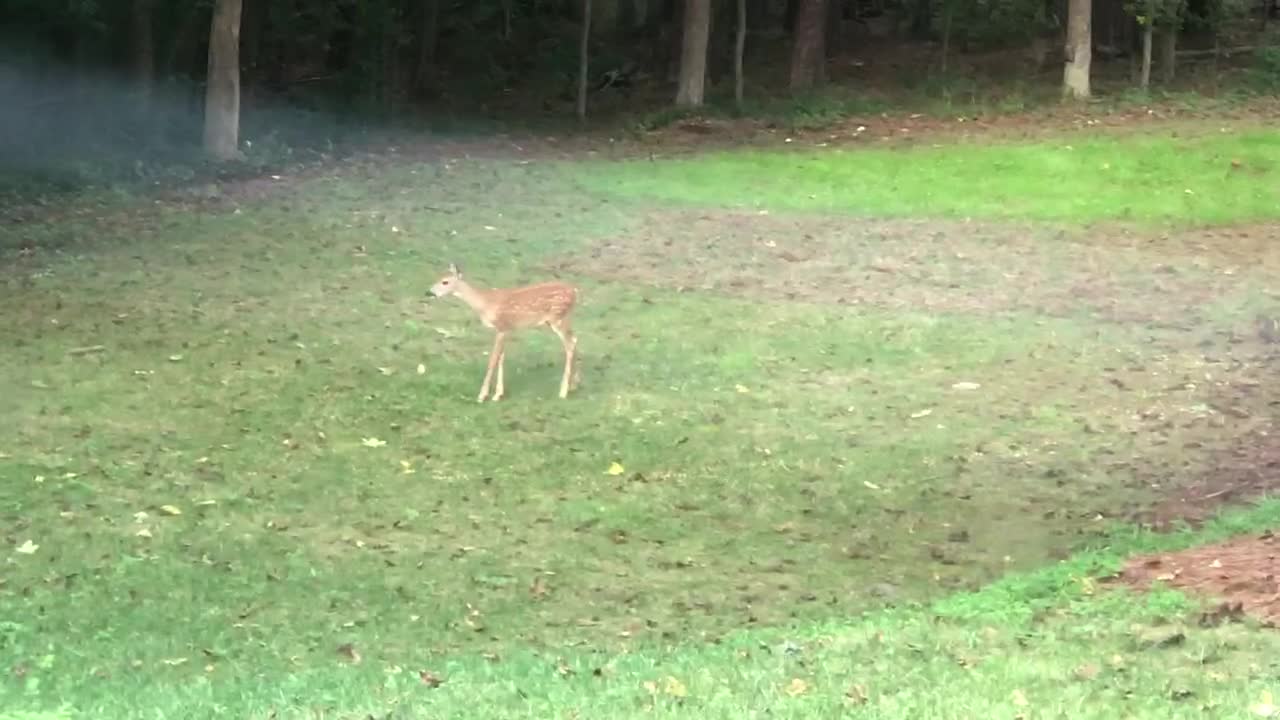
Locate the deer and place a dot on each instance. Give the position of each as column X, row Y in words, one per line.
column 512, row 309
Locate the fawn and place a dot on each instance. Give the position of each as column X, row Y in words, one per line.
column 506, row 311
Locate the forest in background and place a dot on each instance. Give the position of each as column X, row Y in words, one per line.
column 91, row 86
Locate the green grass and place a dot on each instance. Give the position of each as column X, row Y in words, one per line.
column 1162, row 178
column 791, row 465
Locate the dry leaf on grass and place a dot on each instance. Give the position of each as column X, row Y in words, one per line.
column 797, row 687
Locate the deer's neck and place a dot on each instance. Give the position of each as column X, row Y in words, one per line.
column 476, row 298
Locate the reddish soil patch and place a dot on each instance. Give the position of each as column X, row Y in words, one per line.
column 1242, row 574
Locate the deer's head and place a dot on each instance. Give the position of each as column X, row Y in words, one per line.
column 448, row 284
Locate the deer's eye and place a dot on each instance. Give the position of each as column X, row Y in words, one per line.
column 444, row 282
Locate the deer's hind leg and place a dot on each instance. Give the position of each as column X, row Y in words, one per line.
column 564, row 330
column 499, row 390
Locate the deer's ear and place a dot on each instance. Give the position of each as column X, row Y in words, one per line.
column 453, row 269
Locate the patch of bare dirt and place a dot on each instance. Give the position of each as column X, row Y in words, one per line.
column 1242, row 574
column 1247, row 470
column 936, row 265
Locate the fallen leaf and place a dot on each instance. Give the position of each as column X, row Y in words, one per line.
column 538, row 588
column 922, row 413
column 348, row 651
column 373, row 442
column 1087, row 671
column 674, row 687
column 856, row 694
column 742, row 388
column 406, row 467
column 615, row 469
column 1215, row 564
column 385, row 370
column 27, row 548
column 175, row 358
column 170, row 510
column 965, row 386
column 797, row 687
column 430, row 679
column 422, row 369
column 143, row 533
column 174, row 662
column 444, row 332
column 1266, row 707
column 870, row 485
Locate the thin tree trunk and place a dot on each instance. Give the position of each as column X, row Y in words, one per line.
column 1168, row 54
column 693, row 53
column 739, row 50
column 428, row 41
column 583, row 60
column 808, row 52
column 144, row 55
column 222, row 95
column 948, row 12
column 506, row 20
column 1075, row 74
column 1144, row 75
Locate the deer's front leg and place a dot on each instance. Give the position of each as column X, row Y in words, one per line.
column 494, row 356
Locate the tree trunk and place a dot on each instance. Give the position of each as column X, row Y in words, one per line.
column 693, row 53
column 1144, row 75
column 740, row 48
column 428, row 41
column 948, row 13
column 144, row 55
column 1075, row 75
column 1168, row 54
column 808, row 51
column 507, row 12
column 222, row 95
column 583, row 60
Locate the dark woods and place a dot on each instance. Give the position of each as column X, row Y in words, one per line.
column 123, row 72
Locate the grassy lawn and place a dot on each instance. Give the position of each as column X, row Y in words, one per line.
column 1169, row 176
column 245, row 474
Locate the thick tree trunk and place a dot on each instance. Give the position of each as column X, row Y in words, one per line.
column 1168, row 54
column 222, row 96
column 693, row 53
column 1075, row 75
column 809, row 51
column 584, row 58
column 739, row 49
column 1144, row 75
column 144, row 55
